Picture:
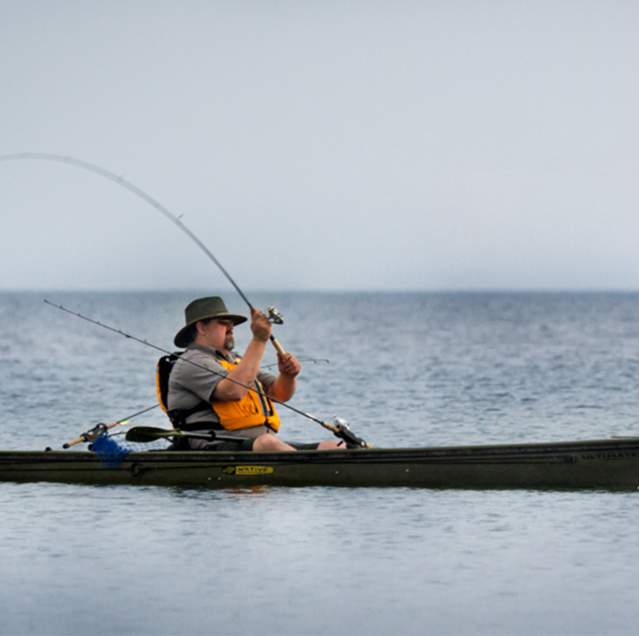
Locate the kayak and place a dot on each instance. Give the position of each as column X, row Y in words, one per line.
column 610, row 464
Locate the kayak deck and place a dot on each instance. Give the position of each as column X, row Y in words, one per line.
column 611, row 464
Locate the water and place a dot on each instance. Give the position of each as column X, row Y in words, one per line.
column 406, row 369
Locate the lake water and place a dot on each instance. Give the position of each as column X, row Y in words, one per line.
column 405, row 370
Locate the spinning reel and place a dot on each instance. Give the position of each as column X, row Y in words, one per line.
column 274, row 316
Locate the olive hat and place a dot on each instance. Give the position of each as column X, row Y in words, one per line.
column 204, row 309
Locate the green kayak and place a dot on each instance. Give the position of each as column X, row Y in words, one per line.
column 611, row 464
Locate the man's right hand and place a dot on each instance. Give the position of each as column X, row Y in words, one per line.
column 260, row 325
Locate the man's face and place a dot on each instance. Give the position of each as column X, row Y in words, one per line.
column 217, row 334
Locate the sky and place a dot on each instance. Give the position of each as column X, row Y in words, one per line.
column 425, row 145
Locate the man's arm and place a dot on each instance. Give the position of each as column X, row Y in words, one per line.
column 249, row 366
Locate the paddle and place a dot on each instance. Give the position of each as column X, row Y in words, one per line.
column 146, row 434
column 151, row 434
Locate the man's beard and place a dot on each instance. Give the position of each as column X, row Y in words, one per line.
column 229, row 343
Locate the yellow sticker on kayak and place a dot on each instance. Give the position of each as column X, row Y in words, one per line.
column 248, row 470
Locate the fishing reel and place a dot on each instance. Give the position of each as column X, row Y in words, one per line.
column 88, row 436
column 274, row 316
column 341, row 429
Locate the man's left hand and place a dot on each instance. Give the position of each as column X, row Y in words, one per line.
column 288, row 364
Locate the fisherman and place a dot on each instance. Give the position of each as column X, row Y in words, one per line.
column 213, row 393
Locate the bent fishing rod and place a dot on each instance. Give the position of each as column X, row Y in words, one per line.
column 338, row 427
column 273, row 314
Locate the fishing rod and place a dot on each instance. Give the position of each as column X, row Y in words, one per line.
column 338, row 427
column 101, row 428
column 274, row 315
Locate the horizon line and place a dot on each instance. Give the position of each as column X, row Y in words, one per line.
column 328, row 290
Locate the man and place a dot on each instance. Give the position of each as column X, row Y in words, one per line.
column 213, row 393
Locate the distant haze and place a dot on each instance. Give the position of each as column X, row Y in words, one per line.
column 322, row 145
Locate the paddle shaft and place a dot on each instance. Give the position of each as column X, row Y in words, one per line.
column 151, row 433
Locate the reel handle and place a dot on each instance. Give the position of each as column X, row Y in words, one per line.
column 278, row 347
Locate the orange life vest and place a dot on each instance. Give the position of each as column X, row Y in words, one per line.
column 254, row 409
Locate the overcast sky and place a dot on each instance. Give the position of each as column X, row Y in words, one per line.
column 322, row 145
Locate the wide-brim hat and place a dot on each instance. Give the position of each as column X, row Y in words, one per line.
column 204, row 309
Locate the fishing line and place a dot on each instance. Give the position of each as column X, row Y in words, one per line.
column 311, row 360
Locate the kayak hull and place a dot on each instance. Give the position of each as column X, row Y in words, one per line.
column 611, row 464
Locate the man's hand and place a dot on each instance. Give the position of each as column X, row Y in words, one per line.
column 288, row 365
column 260, row 325
column 284, row 386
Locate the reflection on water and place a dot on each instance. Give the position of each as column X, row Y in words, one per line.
column 171, row 560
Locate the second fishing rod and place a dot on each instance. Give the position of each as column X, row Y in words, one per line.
column 338, row 427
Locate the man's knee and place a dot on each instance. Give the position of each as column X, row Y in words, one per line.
column 268, row 442
column 329, row 444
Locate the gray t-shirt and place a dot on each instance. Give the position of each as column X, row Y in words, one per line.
column 189, row 385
